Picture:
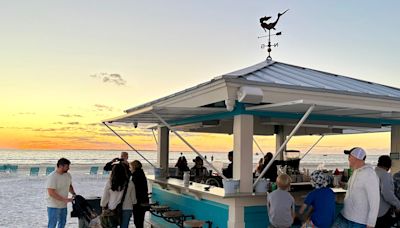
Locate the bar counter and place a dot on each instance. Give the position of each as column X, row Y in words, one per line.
column 224, row 210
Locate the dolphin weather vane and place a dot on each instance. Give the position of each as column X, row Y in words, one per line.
column 268, row 26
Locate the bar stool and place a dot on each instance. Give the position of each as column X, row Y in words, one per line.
column 172, row 214
column 193, row 223
column 159, row 208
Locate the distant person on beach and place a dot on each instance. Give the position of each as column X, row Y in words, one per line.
column 59, row 183
column 118, row 189
column 212, row 157
column 142, row 197
column 361, row 203
column 387, row 197
column 272, row 171
column 280, row 204
column 320, row 203
column 198, row 171
column 228, row 172
column 123, row 159
column 182, row 166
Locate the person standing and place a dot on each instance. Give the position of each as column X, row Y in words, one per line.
column 142, row 197
column 123, row 159
column 59, row 183
column 182, row 166
column 198, row 171
column 361, row 203
column 387, row 196
column 272, row 172
column 228, row 172
column 118, row 189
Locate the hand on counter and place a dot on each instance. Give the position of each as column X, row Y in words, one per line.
column 343, row 184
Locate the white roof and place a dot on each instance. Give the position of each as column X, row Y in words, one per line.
column 282, row 74
column 287, row 89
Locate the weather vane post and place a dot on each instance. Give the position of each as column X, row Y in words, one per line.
column 268, row 26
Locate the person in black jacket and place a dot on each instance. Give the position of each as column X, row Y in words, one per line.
column 123, row 160
column 272, row 172
column 182, row 166
column 140, row 181
column 228, row 172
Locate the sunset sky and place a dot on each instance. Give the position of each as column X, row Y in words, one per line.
column 67, row 65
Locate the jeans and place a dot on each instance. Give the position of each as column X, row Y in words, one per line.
column 126, row 216
column 342, row 222
column 56, row 215
column 138, row 215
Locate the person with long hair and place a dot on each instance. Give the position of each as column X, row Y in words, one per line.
column 272, row 172
column 140, row 181
column 118, row 187
column 182, row 166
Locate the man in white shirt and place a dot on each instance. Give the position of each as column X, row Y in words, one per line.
column 59, row 183
column 361, row 203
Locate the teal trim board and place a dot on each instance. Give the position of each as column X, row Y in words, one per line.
column 202, row 209
column 241, row 110
column 256, row 216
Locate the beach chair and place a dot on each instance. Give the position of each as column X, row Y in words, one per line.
column 49, row 170
column 12, row 168
column 34, row 171
column 93, row 170
column 3, row 168
column 106, row 173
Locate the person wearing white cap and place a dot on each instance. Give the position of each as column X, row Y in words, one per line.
column 361, row 203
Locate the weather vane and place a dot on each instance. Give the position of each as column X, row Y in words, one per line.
column 268, row 26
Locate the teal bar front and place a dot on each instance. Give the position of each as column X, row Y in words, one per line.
column 202, row 209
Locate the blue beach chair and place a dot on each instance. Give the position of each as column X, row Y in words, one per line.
column 93, row 170
column 12, row 168
column 34, row 171
column 49, row 170
column 106, row 173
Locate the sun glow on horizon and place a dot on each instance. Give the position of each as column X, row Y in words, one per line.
column 67, row 66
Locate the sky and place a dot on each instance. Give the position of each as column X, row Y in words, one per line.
column 67, row 65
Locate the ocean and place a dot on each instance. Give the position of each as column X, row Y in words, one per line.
column 83, row 158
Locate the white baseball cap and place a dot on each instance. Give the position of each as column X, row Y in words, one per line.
column 357, row 152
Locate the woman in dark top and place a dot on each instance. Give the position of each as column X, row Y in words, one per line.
column 140, row 181
column 182, row 166
column 272, row 172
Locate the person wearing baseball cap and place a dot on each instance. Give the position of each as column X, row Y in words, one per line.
column 361, row 203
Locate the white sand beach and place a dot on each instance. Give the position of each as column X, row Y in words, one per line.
column 23, row 197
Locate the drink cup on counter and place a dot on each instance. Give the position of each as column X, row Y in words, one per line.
column 336, row 180
column 186, row 178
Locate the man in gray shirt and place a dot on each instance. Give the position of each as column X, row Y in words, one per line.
column 280, row 204
column 58, row 185
column 387, row 196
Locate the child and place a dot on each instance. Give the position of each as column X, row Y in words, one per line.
column 281, row 204
column 321, row 201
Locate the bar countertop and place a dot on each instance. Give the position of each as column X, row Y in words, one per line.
column 198, row 189
column 202, row 190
